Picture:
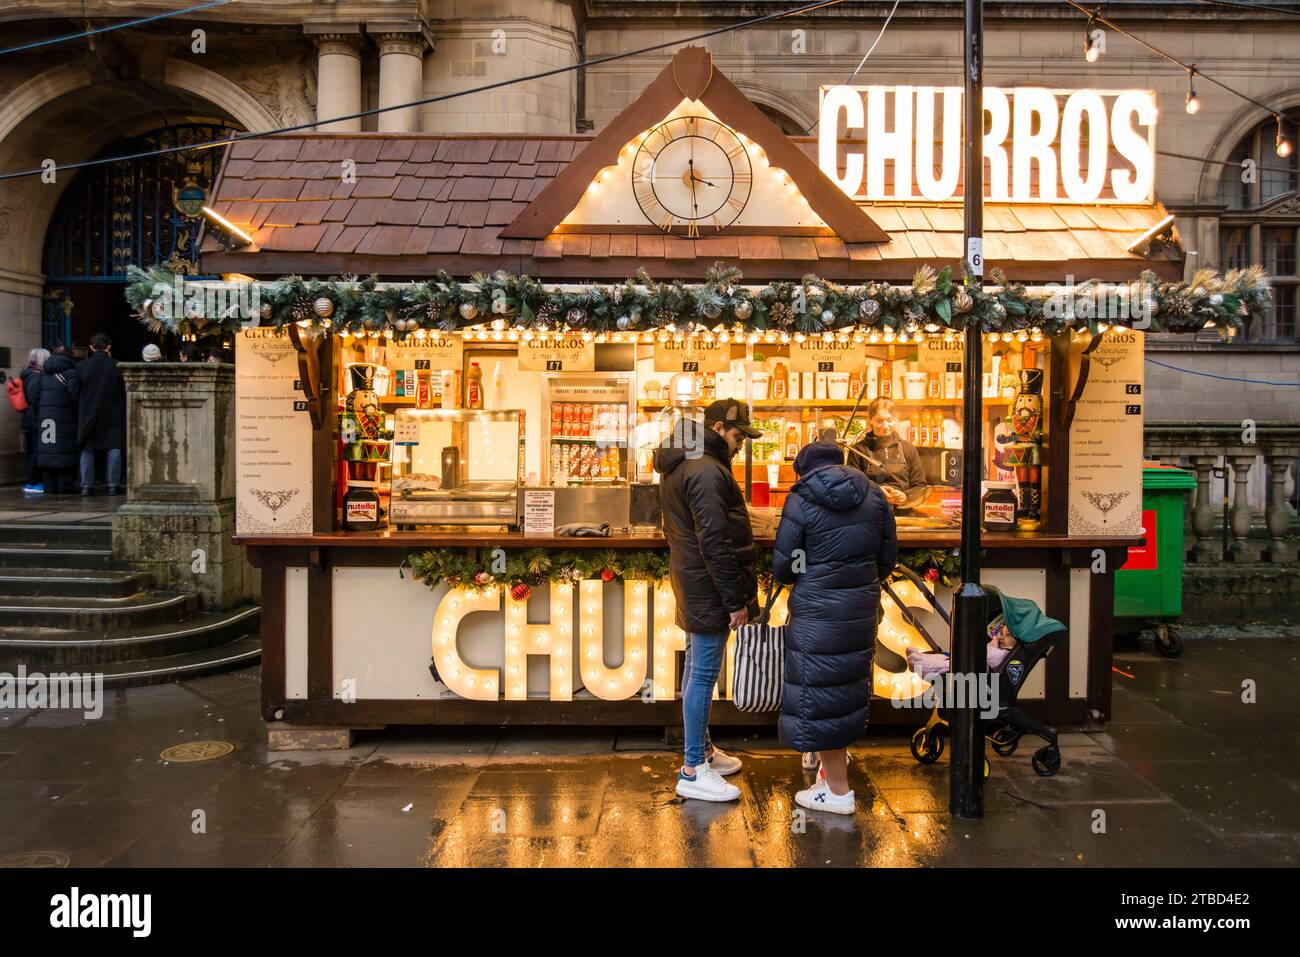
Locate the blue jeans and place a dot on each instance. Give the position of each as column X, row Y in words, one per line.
column 704, row 655
column 114, row 465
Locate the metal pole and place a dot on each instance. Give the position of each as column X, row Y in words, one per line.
column 966, row 767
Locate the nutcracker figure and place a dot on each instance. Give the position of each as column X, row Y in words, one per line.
column 366, row 443
column 1024, row 447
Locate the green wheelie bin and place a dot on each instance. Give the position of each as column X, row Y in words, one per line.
column 1149, row 585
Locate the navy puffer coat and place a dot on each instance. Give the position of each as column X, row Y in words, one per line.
column 844, row 528
column 57, row 414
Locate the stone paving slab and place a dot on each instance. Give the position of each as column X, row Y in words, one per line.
column 1185, row 776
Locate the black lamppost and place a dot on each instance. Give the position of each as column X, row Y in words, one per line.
column 966, row 767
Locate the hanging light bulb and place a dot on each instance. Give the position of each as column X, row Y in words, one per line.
column 1091, row 48
column 1193, row 101
column 1283, row 146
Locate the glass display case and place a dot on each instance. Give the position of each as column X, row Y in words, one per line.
column 456, row 467
column 586, row 426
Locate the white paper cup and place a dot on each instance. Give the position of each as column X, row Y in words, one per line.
column 837, row 385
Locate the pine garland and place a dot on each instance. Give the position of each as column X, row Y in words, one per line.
column 935, row 303
column 464, row 568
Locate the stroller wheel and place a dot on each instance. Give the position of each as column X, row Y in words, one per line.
column 1005, row 740
column 1169, row 643
column 926, row 748
column 1046, row 761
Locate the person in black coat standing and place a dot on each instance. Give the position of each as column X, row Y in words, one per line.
column 56, row 414
column 31, row 423
column 836, row 543
column 713, row 569
column 102, row 414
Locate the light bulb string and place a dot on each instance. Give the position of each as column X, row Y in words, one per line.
column 1094, row 16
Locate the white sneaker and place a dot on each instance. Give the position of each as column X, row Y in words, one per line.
column 811, row 760
column 707, row 785
column 723, row 763
column 820, row 797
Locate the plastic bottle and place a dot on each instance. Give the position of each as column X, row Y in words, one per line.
column 791, row 442
column 474, row 387
column 498, row 386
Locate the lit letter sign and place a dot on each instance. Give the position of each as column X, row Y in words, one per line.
column 1035, row 143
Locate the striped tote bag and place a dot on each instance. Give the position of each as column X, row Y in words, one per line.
column 760, row 663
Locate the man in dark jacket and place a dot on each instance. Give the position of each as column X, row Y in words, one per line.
column 56, row 415
column 102, row 414
column 836, row 543
column 712, row 566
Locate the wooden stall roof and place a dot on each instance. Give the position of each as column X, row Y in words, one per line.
column 469, row 203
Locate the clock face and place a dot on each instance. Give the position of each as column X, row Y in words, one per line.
column 691, row 175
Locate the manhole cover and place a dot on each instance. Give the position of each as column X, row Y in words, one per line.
column 35, row 859
column 197, row 751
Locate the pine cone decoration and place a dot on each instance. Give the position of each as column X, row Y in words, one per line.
column 962, row 301
column 300, row 309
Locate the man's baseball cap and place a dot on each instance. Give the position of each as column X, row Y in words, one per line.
column 731, row 412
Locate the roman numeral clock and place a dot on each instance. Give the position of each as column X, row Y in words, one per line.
column 692, row 176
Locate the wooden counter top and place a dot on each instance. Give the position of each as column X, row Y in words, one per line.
column 907, row 538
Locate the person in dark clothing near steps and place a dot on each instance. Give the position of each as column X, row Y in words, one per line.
column 56, row 412
column 899, row 475
column 836, row 543
column 713, row 570
column 31, row 378
column 101, row 414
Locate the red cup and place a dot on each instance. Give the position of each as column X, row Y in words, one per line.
column 759, row 494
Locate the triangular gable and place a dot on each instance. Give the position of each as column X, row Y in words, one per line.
column 691, row 76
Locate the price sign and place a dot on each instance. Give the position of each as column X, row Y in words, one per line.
column 692, row 354
column 557, row 354
column 433, row 352
column 935, row 355
column 818, row 355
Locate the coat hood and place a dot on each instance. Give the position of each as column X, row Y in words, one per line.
column 59, row 363
column 689, row 439
column 836, row 487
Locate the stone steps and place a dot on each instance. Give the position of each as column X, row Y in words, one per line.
column 53, row 535
column 69, row 583
column 206, row 634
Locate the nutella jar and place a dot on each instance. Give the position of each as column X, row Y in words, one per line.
column 998, row 507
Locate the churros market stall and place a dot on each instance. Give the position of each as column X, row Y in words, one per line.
column 412, row 448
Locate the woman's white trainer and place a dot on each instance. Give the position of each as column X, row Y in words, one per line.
column 820, row 797
column 707, row 785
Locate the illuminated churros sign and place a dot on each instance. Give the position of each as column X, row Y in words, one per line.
column 883, row 143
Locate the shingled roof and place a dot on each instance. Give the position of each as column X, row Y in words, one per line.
column 423, row 203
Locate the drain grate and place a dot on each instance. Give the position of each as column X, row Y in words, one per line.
column 197, row 751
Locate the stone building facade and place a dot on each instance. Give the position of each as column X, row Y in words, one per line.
column 262, row 64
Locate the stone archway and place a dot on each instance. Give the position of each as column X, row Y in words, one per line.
column 1243, row 123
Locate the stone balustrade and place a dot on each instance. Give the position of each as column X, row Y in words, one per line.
column 1238, row 447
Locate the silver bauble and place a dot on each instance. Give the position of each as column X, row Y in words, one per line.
column 869, row 310
column 711, row 310
column 624, row 323
column 323, row 307
column 468, row 310
column 576, row 316
column 743, row 310
column 266, row 312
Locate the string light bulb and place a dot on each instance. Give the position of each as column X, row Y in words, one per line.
column 1193, row 102
column 1091, row 48
column 1282, row 145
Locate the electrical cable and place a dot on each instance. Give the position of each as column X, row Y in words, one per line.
column 1225, row 378
column 1252, row 6
column 863, row 61
column 426, row 101
column 38, row 44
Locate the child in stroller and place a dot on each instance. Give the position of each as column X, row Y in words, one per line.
column 1020, row 636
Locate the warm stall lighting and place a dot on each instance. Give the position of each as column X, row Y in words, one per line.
column 623, row 681
column 479, row 684
column 239, row 237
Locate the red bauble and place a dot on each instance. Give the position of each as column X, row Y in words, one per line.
column 932, row 575
column 520, row 592
column 482, row 578
column 607, row 574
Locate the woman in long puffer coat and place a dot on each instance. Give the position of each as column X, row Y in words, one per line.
column 836, row 543
column 57, row 453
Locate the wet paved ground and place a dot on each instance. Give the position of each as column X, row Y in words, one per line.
column 1187, row 775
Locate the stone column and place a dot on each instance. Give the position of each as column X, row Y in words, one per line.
column 338, row 76
column 1278, row 516
column 401, row 74
column 1206, row 547
column 1241, row 549
column 180, row 509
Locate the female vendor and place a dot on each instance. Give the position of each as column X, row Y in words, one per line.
column 888, row 459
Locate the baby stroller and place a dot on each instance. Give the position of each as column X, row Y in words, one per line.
column 1035, row 636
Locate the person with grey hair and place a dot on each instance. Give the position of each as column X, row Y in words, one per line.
column 151, row 353
column 31, row 425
